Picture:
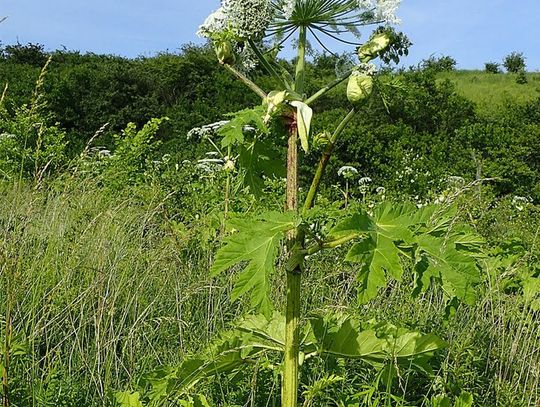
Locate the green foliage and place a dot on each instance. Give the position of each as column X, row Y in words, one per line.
column 30, row 144
column 442, row 250
column 521, row 78
column 255, row 338
column 258, row 158
column 259, row 161
column 514, row 62
column 72, row 254
column 442, row 64
column 233, row 131
column 256, row 242
column 492, row 67
column 464, row 400
column 132, row 154
column 378, row 344
column 29, row 54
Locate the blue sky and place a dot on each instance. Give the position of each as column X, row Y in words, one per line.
column 471, row 31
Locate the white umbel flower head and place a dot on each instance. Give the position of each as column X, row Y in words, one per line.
column 215, row 22
column 347, row 171
column 520, row 202
column 287, row 8
column 367, row 68
column 364, row 181
column 383, row 10
column 250, row 18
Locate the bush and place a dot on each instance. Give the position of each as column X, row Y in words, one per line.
column 515, row 62
column 521, row 78
column 30, row 54
column 492, row 67
column 442, row 64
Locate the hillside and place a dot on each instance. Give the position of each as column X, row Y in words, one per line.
column 492, row 91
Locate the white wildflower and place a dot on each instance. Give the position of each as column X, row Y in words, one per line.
column 248, row 60
column 365, row 180
column 364, row 185
column 365, row 4
column 104, row 153
column 347, row 171
column 440, row 199
column 380, row 190
column 367, row 68
column 209, row 165
column 214, row 23
column 250, row 18
column 207, row 129
column 287, row 8
column 520, row 202
column 210, row 161
column 455, row 181
column 383, row 10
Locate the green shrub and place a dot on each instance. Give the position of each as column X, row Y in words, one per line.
column 442, row 64
column 31, row 145
column 492, row 67
column 514, row 62
column 521, row 78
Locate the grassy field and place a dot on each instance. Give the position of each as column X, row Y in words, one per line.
column 492, row 91
column 101, row 289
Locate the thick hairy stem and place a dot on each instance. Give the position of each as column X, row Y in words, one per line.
column 248, row 82
column 289, row 391
column 292, row 313
column 323, row 162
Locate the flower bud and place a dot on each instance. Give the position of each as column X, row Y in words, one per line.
column 376, row 44
column 359, row 87
column 225, row 52
column 229, row 165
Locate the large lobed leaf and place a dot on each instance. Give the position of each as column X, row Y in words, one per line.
column 345, row 337
column 332, row 335
column 257, row 160
column 256, row 242
column 445, row 251
column 233, row 131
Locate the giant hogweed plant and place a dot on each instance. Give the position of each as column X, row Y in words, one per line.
column 244, row 32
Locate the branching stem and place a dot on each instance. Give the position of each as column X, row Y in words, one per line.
column 327, row 88
column 329, row 245
column 249, row 83
column 323, row 162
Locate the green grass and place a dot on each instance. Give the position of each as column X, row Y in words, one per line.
column 492, row 91
column 99, row 291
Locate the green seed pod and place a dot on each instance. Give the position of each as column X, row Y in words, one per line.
column 225, row 52
column 359, row 87
column 376, row 44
